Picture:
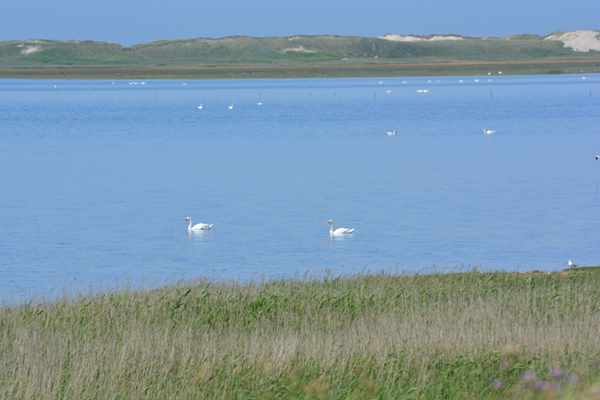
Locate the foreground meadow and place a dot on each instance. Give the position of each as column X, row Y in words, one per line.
column 467, row 335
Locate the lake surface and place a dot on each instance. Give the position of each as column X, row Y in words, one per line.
column 97, row 177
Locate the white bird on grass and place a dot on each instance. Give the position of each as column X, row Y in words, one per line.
column 488, row 132
column 391, row 133
column 197, row 227
column 339, row 231
column 571, row 265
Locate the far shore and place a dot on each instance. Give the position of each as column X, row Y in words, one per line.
column 309, row 71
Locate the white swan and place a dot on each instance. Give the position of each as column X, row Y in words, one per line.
column 391, row 133
column 231, row 106
column 488, row 132
column 197, row 227
column 339, row 231
column 200, row 106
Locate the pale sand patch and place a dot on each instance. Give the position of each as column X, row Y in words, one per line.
column 31, row 49
column 299, row 49
column 413, row 38
column 582, row 41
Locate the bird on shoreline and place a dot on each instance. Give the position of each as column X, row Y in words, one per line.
column 571, row 265
column 197, row 227
column 339, row 231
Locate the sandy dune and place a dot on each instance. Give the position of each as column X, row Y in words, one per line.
column 582, row 41
column 415, row 38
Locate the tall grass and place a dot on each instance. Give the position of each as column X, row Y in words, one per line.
column 366, row 336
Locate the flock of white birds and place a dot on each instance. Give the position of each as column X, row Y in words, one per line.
column 344, row 231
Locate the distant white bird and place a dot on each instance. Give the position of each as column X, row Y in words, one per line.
column 231, row 106
column 389, row 91
column 259, row 104
column 200, row 106
column 380, row 82
column 571, row 265
column 391, row 133
column 488, row 132
column 197, row 227
column 339, row 231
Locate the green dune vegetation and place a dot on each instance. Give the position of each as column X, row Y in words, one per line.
column 294, row 57
column 464, row 335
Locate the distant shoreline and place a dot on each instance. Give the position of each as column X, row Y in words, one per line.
column 470, row 68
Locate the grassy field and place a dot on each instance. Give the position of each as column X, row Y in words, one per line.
column 311, row 71
column 468, row 335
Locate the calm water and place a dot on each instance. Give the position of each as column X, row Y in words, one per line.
column 97, row 177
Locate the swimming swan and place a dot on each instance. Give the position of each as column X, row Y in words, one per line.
column 339, row 231
column 391, row 133
column 197, row 227
column 487, row 132
column 231, row 106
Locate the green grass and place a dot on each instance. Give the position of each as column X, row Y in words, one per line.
column 367, row 336
column 213, row 71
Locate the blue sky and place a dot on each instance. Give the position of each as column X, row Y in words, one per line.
column 130, row 22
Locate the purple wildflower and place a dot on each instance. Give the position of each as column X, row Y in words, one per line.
column 556, row 372
column 529, row 375
column 497, row 384
column 573, row 378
